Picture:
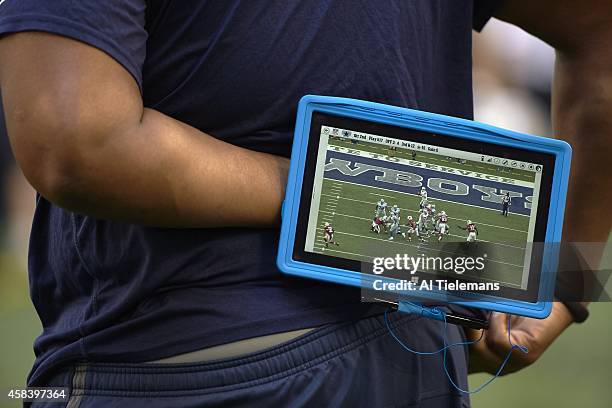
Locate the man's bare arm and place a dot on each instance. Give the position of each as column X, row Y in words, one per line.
column 581, row 33
column 78, row 129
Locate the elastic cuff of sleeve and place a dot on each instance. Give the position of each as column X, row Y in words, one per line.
column 578, row 311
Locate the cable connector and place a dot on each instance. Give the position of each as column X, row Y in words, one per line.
column 436, row 314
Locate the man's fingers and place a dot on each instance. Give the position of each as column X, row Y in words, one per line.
column 500, row 343
column 497, row 334
column 482, row 359
column 533, row 334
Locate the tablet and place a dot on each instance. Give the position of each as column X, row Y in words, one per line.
column 412, row 205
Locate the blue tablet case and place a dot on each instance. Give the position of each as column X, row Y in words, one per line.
column 433, row 123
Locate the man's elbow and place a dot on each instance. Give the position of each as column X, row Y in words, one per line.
column 54, row 159
column 59, row 185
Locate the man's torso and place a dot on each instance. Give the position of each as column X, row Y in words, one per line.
column 235, row 69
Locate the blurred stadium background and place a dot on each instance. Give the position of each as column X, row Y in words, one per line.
column 512, row 76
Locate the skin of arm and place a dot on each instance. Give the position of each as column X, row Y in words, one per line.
column 83, row 139
column 581, row 33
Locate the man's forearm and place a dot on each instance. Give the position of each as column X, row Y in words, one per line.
column 582, row 100
column 582, row 104
column 164, row 173
column 582, row 115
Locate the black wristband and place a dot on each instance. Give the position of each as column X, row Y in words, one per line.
column 578, row 311
column 574, row 282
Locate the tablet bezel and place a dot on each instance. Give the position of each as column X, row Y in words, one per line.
column 462, row 133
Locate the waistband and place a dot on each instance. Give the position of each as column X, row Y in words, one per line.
column 235, row 349
column 159, row 380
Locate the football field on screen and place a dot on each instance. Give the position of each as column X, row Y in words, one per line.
column 349, row 207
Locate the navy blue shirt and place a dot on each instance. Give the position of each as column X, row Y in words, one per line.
column 113, row 291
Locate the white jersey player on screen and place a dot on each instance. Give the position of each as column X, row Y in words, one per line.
column 381, row 208
column 423, row 202
column 394, row 226
column 422, row 223
column 395, row 210
column 380, row 213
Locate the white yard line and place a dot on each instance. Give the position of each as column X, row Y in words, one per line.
column 380, row 195
column 323, row 249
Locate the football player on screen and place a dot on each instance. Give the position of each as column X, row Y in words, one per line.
column 436, row 221
column 381, row 208
column 442, row 225
column 506, row 202
column 380, row 214
column 412, row 228
column 422, row 224
column 328, row 235
column 423, row 202
column 431, row 208
column 378, row 223
column 395, row 210
column 471, row 229
column 394, row 227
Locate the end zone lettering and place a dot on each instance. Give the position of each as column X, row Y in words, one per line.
column 451, row 184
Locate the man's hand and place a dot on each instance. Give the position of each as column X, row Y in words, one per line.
column 534, row 334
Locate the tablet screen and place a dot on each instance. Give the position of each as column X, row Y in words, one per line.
column 428, row 201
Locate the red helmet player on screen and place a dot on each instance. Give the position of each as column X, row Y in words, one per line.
column 328, row 235
column 412, row 228
column 471, row 229
column 442, row 227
